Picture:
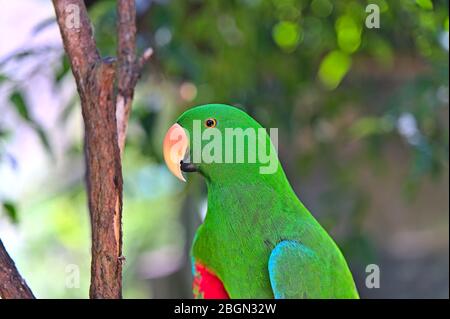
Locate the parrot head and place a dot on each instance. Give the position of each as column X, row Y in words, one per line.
column 219, row 142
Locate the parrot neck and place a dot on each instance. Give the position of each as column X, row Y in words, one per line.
column 242, row 176
column 249, row 192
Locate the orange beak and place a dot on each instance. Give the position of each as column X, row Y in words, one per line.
column 175, row 146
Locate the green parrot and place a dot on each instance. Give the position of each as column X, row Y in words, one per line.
column 257, row 240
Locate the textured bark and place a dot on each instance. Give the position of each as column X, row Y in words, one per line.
column 129, row 67
column 12, row 285
column 96, row 79
column 104, row 181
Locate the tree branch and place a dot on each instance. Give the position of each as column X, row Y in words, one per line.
column 105, row 116
column 78, row 38
column 129, row 68
column 12, row 285
column 104, row 178
column 95, row 78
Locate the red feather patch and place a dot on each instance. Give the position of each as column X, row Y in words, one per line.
column 206, row 285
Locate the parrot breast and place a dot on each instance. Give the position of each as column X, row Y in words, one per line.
column 206, row 285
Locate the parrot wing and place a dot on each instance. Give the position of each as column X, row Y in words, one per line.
column 297, row 272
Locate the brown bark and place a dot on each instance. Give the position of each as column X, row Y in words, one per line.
column 12, row 285
column 129, row 67
column 96, row 78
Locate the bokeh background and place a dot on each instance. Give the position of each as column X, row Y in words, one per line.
column 363, row 134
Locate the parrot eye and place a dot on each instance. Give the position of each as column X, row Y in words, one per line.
column 210, row 123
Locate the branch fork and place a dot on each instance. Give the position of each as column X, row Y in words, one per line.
column 105, row 114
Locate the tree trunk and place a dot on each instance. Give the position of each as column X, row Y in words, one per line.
column 104, row 134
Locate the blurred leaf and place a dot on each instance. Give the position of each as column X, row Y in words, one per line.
column 44, row 139
column 348, row 34
column 17, row 55
column 287, row 35
column 4, row 133
column 63, row 69
column 425, row 4
column 333, row 68
column 3, row 78
column 19, row 102
column 43, row 25
column 10, row 209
